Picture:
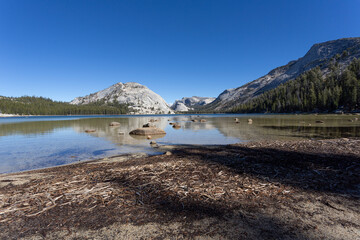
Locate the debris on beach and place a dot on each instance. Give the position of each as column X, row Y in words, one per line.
column 249, row 183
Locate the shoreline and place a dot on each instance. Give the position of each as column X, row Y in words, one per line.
column 300, row 189
column 5, row 115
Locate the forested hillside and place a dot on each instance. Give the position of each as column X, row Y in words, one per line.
column 45, row 106
column 312, row 92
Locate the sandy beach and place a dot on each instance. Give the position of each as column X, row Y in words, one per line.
column 304, row 189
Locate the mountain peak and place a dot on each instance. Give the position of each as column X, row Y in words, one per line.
column 139, row 98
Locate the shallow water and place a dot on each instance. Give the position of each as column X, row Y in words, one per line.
column 38, row 142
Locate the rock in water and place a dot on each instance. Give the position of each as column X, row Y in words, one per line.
column 148, row 131
column 148, row 125
column 90, row 130
column 114, row 124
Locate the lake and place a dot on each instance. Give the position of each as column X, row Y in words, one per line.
column 36, row 142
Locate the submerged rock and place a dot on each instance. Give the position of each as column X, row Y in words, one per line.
column 114, row 124
column 148, row 125
column 319, row 121
column 90, row 130
column 148, row 131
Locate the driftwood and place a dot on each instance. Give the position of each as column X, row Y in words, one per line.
column 219, row 178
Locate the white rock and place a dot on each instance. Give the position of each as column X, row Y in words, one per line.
column 141, row 99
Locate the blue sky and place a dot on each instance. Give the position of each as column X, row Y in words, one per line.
column 64, row 49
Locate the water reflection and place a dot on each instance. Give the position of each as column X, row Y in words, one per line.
column 35, row 144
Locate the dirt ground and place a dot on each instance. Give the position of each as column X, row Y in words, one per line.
column 305, row 189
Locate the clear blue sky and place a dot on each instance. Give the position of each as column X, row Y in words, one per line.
column 64, row 49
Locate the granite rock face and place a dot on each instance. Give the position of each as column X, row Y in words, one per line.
column 141, row 100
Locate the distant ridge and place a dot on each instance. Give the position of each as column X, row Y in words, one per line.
column 190, row 103
column 320, row 55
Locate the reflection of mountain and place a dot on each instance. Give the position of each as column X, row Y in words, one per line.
column 263, row 127
column 187, row 124
column 119, row 134
column 101, row 125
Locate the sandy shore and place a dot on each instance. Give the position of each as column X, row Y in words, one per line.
column 9, row 115
column 261, row 190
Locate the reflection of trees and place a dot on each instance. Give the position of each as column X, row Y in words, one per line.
column 101, row 125
column 287, row 127
column 32, row 127
column 263, row 127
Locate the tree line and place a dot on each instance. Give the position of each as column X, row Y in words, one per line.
column 27, row 105
column 311, row 92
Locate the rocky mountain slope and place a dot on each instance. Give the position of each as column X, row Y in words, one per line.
column 141, row 100
column 190, row 103
column 321, row 54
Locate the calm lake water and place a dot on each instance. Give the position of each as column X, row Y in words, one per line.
column 38, row 142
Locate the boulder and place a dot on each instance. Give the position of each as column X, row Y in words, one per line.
column 114, row 124
column 148, row 137
column 176, row 126
column 319, row 121
column 148, row 131
column 148, row 125
column 250, row 121
column 154, row 144
column 194, row 120
column 90, row 130
column 203, row 120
